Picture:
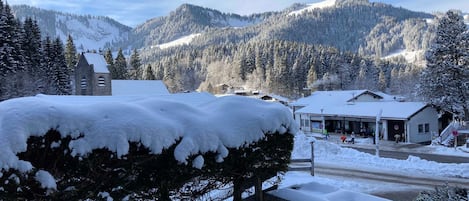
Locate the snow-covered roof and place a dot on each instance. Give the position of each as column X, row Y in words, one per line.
column 321, row 98
column 193, row 98
column 278, row 97
column 98, row 62
column 215, row 126
column 342, row 103
column 390, row 110
column 138, row 87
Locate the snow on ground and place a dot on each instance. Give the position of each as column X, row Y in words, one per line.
column 410, row 56
column 178, row 42
column 310, row 7
column 303, row 186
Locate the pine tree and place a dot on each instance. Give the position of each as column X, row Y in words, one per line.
column 382, row 81
column 119, row 69
column 135, row 65
column 58, row 76
column 11, row 56
column 442, row 81
column 148, row 75
column 32, row 51
column 71, row 57
column 61, row 68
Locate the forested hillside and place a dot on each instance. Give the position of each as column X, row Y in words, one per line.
column 88, row 32
column 276, row 66
column 338, row 47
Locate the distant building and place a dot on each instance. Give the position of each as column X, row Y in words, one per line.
column 92, row 76
column 356, row 111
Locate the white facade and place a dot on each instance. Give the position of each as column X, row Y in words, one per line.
column 356, row 111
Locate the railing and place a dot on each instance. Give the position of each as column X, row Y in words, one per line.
column 447, row 134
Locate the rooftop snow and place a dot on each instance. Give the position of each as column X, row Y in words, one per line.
column 328, row 97
column 138, row 87
column 98, row 62
column 367, row 109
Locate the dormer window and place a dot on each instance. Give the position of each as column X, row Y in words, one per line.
column 101, row 81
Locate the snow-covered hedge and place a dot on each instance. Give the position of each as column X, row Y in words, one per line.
column 143, row 147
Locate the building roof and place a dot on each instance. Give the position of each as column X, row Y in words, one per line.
column 138, row 87
column 390, row 109
column 327, row 97
column 194, row 99
column 339, row 97
column 98, row 62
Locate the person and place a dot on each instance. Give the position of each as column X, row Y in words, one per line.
column 343, row 138
column 397, row 137
column 352, row 136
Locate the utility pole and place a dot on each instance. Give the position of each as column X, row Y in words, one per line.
column 378, row 118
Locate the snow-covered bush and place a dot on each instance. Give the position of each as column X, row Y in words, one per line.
column 79, row 148
column 138, row 174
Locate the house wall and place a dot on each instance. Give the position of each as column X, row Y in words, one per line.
column 100, row 89
column 428, row 116
column 83, row 76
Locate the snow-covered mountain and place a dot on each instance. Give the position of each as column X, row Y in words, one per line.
column 344, row 24
column 88, row 32
column 187, row 20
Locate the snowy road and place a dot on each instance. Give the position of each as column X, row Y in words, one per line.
column 414, row 179
column 409, row 185
column 402, row 155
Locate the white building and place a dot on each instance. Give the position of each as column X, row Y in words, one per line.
column 356, row 111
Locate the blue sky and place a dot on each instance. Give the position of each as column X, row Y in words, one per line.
column 133, row 12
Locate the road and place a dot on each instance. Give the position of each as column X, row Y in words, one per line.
column 404, row 155
column 418, row 183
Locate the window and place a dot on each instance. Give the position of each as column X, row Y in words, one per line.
column 424, row 128
column 101, row 81
column 304, row 123
column 83, row 83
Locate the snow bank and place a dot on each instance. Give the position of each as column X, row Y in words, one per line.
column 328, row 153
column 226, row 122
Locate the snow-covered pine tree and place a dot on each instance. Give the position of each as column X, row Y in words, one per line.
column 148, row 74
column 61, row 68
column 57, row 73
column 441, row 82
column 135, row 66
column 71, row 57
column 11, row 57
column 463, row 67
column 32, row 50
column 119, row 70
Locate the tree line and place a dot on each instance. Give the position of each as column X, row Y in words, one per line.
column 29, row 64
column 281, row 67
